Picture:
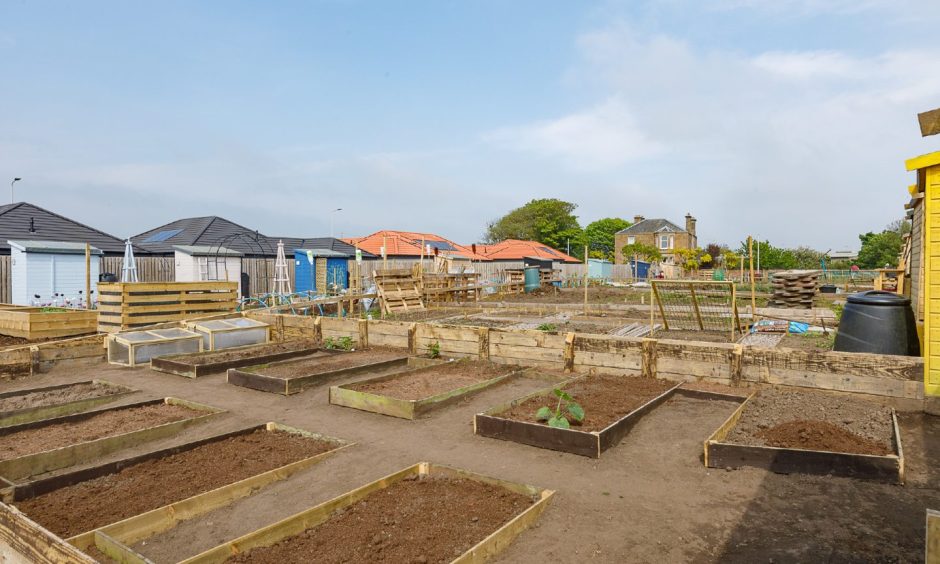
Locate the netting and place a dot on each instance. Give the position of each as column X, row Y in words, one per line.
column 694, row 305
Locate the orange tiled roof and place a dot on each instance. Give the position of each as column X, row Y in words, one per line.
column 514, row 249
column 408, row 244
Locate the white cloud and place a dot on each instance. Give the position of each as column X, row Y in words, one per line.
column 601, row 137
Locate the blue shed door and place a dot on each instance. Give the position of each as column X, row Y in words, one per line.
column 336, row 269
column 305, row 273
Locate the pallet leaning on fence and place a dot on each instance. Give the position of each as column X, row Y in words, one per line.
column 125, row 305
column 399, row 290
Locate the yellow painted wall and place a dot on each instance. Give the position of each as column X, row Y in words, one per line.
column 932, row 281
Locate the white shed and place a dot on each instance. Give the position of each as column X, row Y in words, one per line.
column 52, row 270
column 201, row 263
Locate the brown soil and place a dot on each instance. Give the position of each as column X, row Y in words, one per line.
column 8, row 341
column 154, row 483
column 105, row 424
column 229, row 355
column 58, row 396
column 605, row 400
column 427, row 383
column 683, row 335
column 427, row 314
column 820, row 435
column 327, row 362
column 808, row 341
column 414, row 520
column 583, row 327
column 772, row 409
column 596, row 295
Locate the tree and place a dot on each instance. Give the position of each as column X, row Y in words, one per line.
column 771, row 258
column 549, row 221
column 879, row 249
column 600, row 236
column 807, row 258
column 692, row 259
column 644, row 252
column 714, row 251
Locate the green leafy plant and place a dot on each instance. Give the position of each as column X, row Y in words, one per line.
column 434, row 350
column 329, row 343
column 346, row 343
column 547, row 327
column 558, row 418
column 53, row 310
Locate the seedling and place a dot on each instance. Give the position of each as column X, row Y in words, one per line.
column 434, row 350
column 346, row 343
column 329, row 343
column 558, row 417
column 547, row 327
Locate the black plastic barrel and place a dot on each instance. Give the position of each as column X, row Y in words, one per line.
column 107, row 277
column 878, row 322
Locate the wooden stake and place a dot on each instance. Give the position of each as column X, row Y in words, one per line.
column 750, row 256
column 585, row 279
column 87, row 276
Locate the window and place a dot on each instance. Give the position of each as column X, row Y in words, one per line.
column 664, row 241
column 631, row 240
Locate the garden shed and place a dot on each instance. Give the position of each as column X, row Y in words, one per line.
column 207, row 263
column 600, row 269
column 320, row 271
column 52, row 270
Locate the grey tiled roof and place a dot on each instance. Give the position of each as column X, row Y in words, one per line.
column 652, row 226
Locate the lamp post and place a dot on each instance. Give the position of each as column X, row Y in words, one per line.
column 331, row 219
column 15, row 180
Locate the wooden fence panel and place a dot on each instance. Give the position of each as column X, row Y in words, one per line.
column 6, row 280
column 149, row 269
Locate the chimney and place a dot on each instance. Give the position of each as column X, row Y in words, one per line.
column 690, row 224
column 637, row 219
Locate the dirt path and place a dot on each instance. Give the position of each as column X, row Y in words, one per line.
column 649, row 499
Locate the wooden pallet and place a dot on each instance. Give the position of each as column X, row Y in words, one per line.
column 125, row 305
column 399, row 290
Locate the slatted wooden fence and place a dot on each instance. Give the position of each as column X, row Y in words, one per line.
column 127, row 305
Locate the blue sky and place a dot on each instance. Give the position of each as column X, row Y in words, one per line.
column 788, row 119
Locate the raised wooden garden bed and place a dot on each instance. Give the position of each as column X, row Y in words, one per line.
column 35, row 404
column 515, row 421
column 35, row 323
column 125, row 305
column 194, row 365
column 325, row 366
column 505, row 510
column 43, row 446
column 723, row 452
column 197, row 477
column 411, row 393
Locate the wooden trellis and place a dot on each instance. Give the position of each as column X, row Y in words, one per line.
column 696, row 305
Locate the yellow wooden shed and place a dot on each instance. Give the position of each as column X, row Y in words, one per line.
column 924, row 211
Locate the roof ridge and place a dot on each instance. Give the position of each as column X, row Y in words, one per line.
column 98, row 231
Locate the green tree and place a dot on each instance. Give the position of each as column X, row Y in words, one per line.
column 879, row 249
column 692, row 259
column 549, row 221
column 644, row 252
column 807, row 258
column 600, row 236
column 771, row 258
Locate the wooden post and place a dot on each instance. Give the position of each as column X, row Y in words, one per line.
column 649, row 358
column 384, row 253
column 662, row 310
column 698, row 313
column 737, row 364
column 87, row 276
column 413, row 338
column 652, row 310
column 750, row 256
column 585, row 279
column 317, row 330
column 483, row 348
column 569, row 352
column 363, row 333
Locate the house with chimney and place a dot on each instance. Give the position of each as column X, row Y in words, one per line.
column 660, row 233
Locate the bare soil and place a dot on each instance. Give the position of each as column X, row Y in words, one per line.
column 742, row 391
column 105, row 424
column 154, row 483
column 820, row 435
column 328, row 362
column 44, row 398
column 214, row 357
column 8, row 341
column 809, row 341
column 605, row 400
column 427, row 383
column 428, row 314
column 596, row 295
column 684, row 335
column 806, row 419
column 584, row 327
column 414, row 520
column 649, row 500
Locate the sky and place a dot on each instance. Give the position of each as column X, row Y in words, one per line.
column 786, row 119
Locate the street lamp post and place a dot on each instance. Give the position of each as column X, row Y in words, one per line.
column 15, row 180
column 331, row 219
